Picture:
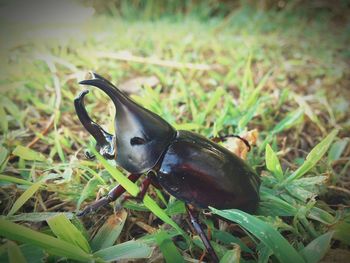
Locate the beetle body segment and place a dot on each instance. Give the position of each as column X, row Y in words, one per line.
column 203, row 173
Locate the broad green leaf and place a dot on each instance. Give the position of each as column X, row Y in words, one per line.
column 33, row 254
column 337, row 149
column 264, row 232
column 107, row 235
column 317, row 248
column 272, row 163
column 14, row 253
column 169, row 250
column 232, row 256
column 15, row 180
column 24, row 197
column 65, row 230
column 313, row 157
column 290, row 120
column 153, row 206
column 52, row 245
column 128, row 250
column 129, row 186
column 28, row 154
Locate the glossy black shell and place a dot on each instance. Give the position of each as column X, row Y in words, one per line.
column 188, row 165
column 203, row 173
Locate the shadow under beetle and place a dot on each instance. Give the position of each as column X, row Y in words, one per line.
column 187, row 165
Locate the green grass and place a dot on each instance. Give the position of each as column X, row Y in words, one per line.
column 277, row 72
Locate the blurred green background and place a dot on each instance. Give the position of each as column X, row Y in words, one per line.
column 277, row 71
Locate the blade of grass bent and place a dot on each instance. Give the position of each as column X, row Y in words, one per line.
column 24, row 198
column 51, row 244
column 65, row 230
column 129, row 186
column 313, row 157
column 264, row 232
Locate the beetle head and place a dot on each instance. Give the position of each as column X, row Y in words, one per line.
column 141, row 136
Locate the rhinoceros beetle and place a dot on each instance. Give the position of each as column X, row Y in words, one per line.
column 187, row 165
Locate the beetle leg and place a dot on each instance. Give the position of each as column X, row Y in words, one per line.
column 200, row 232
column 144, row 187
column 113, row 195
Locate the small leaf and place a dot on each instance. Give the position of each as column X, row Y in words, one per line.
column 28, row 154
column 317, row 248
column 337, row 149
column 264, row 232
column 128, row 250
column 232, row 256
column 313, row 157
column 3, row 154
column 169, row 250
column 108, row 234
column 14, row 253
column 272, row 163
column 24, row 197
column 65, row 230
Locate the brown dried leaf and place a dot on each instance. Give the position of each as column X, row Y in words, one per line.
column 238, row 147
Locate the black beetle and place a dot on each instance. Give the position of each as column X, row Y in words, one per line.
column 187, row 165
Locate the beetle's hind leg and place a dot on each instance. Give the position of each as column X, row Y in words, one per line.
column 113, row 195
column 203, row 236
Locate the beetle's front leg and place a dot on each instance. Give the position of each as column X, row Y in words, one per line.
column 110, row 197
column 202, row 235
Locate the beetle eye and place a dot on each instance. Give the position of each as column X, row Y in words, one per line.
column 137, row 141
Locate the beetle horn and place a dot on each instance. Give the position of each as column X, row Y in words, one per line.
column 141, row 135
column 104, row 139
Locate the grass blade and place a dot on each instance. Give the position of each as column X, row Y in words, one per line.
column 272, row 163
column 169, row 250
column 15, row 180
column 128, row 250
column 290, row 120
column 52, row 245
column 37, row 216
column 313, row 157
column 110, row 231
column 153, row 206
column 129, row 186
column 65, row 230
column 28, row 154
column 264, row 232
column 24, row 197
column 14, row 253
column 317, row 248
